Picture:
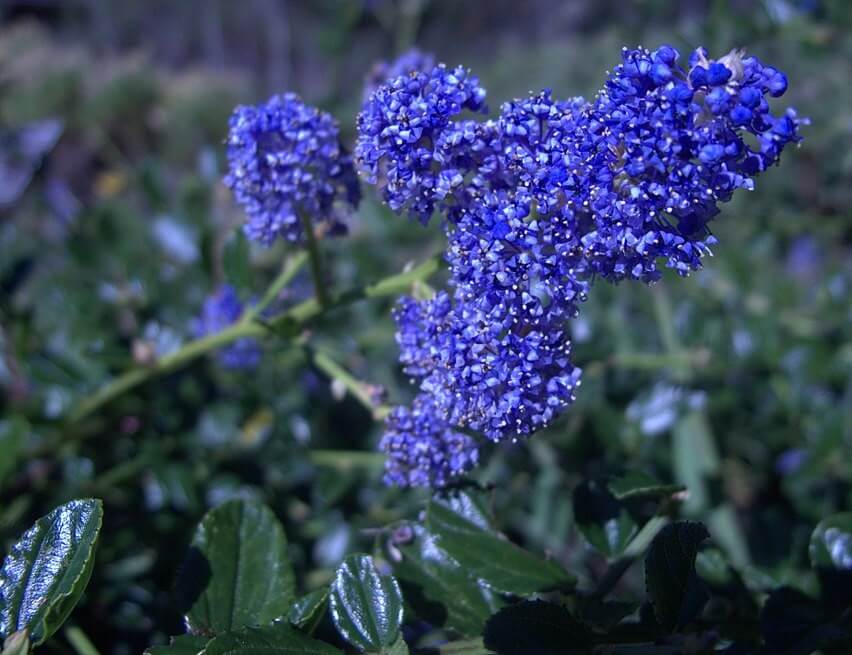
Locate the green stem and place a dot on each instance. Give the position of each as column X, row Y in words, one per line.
column 81, row 644
column 291, row 267
column 296, row 317
column 347, row 460
column 320, row 290
column 353, row 385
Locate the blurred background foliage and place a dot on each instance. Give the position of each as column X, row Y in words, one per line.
column 114, row 225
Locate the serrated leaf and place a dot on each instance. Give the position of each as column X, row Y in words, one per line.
column 676, row 592
column 237, row 572
column 438, row 587
column 180, row 645
column 536, row 626
column 13, row 433
column 636, row 484
column 279, row 639
column 45, row 573
column 307, row 611
column 366, row 607
column 469, row 502
column 500, row 563
column 602, row 519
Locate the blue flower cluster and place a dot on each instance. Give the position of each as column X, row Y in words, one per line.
column 286, row 162
column 422, row 448
column 409, row 143
column 412, row 61
column 221, row 309
column 539, row 203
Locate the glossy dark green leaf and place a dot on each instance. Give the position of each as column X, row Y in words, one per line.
column 399, row 647
column 180, row 645
column 676, row 592
column 603, row 520
column 831, row 543
column 366, row 607
column 45, row 573
column 13, row 432
column 307, row 611
column 487, row 556
column 536, row 626
column 237, row 572
column 278, row 639
column 469, row 502
column 437, row 586
column 636, row 484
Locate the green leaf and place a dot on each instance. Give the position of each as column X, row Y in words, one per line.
column 17, row 643
column 437, row 586
column 831, row 555
column 13, row 433
column 236, row 261
column 278, row 639
column 486, row 556
column 399, row 647
column 676, row 592
column 603, row 520
column 831, row 543
column 307, row 611
column 469, row 502
column 45, row 573
column 536, row 626
column 365, row 606
column 180, row 645
column 237, row 572
column 636, row 484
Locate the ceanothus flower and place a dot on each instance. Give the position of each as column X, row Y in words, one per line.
column 409, row 143
column 484, row 371
column 662, row 147
column 543, row 200
column 286, row 163
column 411, row 61
column 220, row 310
column 422, row 449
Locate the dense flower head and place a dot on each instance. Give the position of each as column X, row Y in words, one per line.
column 410, row 61
column 663, row 146
column 546, row 198
column 285, row 162
column 422, row 449
column 484, row 371
column 220, row 310
column 409, row 144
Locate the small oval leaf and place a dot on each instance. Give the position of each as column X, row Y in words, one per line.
column 437, row 586
column 237, row 572
column 676, row 592
column 278, row 639
column 486, row 556
column 180, row 645
column 535, row 626
column 307, row 611
column 45, row 573
column 366, row 607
